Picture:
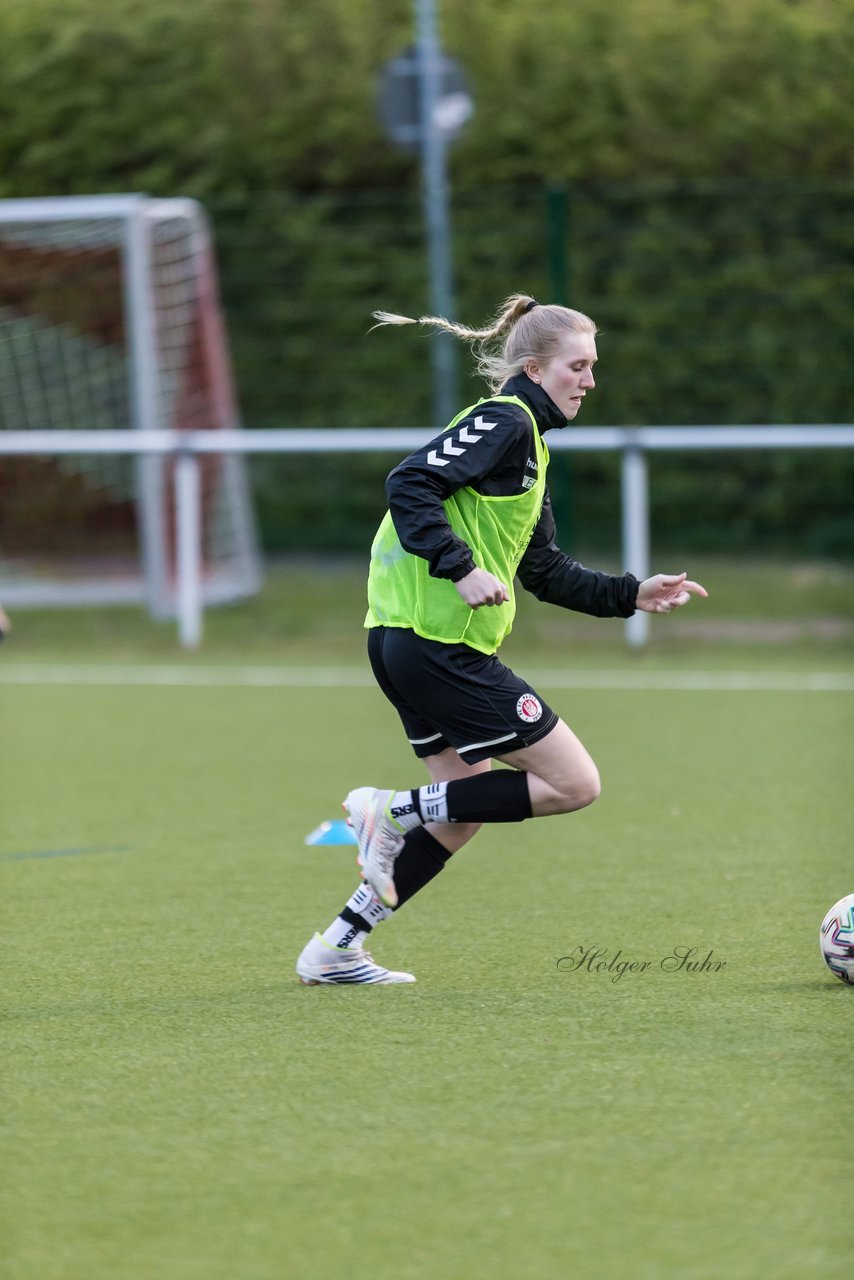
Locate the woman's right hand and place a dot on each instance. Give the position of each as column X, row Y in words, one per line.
column 481, row 587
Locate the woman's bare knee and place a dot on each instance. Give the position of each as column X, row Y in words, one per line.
column 564, row 794
column 583, row 788
column 562, row 776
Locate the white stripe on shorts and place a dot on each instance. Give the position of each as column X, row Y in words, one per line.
column 493, row 742
column 419, row 742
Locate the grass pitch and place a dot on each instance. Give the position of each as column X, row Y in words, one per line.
column 177, row 1105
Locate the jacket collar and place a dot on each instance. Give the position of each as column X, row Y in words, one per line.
column 544, row 409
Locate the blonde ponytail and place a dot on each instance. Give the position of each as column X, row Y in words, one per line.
column 506, row 316
column 530, row 332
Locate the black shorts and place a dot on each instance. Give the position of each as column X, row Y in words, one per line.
column 450, row 695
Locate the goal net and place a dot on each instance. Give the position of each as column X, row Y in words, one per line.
column 110, row 319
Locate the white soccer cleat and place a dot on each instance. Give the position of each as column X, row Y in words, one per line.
column 319, row 963
column 380, row 839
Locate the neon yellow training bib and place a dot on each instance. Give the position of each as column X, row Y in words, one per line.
column 401, row 592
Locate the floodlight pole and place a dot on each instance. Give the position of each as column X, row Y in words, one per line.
column 436, row 214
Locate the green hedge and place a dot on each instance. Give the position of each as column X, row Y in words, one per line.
column 215, row 98
column 681, row 171
column 717, row 304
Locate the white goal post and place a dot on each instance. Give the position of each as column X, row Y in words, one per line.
column 110, row 320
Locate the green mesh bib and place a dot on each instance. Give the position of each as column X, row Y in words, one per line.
column 401, row 592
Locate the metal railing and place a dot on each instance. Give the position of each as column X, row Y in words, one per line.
column 633, row 444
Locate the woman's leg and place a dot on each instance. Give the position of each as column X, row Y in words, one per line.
column 562, row 776
column 554, row 775
column 425, row 851
column 427, row 848
column 447, row 766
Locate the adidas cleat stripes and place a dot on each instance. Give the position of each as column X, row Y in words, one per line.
column 319, row 963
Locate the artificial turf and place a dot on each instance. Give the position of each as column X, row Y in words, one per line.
column 177, row 1105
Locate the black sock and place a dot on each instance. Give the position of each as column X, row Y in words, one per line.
column 421, row 858
column 501, row 796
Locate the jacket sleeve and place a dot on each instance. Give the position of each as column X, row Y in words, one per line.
column 417, row 487
column 555, row 578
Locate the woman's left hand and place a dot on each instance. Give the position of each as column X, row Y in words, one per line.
column 667, row 591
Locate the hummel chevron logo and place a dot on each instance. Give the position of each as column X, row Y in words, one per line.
column 434, row 459
column 481, row 425
column 465, row 436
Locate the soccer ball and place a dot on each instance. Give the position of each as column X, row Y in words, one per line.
column 836, row 939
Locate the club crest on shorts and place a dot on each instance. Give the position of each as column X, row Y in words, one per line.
column 529, row 708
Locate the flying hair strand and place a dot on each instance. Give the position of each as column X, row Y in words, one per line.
column 520, row 331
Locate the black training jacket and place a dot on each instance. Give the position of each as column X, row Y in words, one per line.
column 496, row 463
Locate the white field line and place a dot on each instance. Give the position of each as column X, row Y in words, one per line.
column 287, row 677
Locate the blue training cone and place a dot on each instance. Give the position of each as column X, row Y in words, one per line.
column 332, row 833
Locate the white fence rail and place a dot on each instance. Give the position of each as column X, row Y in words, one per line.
column 633, row 443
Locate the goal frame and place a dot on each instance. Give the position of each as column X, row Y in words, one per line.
column 156, row 586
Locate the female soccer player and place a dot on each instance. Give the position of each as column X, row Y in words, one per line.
column 468, row 513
